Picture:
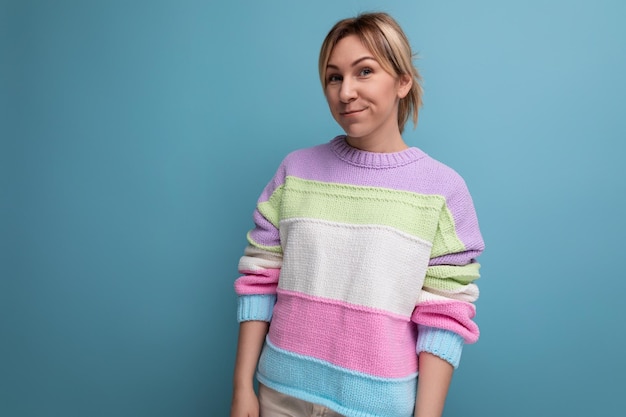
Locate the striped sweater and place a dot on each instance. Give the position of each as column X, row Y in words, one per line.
column 359, row 261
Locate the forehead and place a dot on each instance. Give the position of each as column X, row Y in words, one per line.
column 347, row 49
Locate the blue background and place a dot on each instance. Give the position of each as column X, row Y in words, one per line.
column 137, row 135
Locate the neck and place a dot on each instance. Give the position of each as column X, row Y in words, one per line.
column 391, row 144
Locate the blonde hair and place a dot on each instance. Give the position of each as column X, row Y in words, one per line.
column 382, row 35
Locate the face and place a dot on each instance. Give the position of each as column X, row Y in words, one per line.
column 363, row 98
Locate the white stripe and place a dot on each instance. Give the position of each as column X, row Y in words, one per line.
column 367, row 265
column 256, row 259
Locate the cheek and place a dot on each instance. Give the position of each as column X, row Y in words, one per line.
column 387, row 95
column 331, row 101
column 327, row 95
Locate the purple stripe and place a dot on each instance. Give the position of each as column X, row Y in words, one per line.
column 264, row 233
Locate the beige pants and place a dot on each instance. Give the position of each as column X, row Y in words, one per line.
column 275, row 404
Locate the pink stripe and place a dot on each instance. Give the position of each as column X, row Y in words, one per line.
column 340, row 333
column 262, row 281
column 453, row 315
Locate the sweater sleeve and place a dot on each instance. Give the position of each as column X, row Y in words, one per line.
column 262, row 260
column 445, row 307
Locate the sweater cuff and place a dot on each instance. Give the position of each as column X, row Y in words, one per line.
column 440, row 342
column 255, row 307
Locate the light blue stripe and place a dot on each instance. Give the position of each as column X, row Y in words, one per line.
column 350, row 393
column 442, row 343
column 255, row 307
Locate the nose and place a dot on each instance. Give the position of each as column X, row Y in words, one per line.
column 347, row 91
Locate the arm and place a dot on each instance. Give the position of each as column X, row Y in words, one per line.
column 251, row 336
column 260, row 268
column 432, row 389
column 445, row 308
column 257, row 295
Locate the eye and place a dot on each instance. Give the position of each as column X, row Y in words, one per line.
column 365, row 72
column 334, row 78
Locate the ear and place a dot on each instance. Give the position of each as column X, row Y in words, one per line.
column 405, row 82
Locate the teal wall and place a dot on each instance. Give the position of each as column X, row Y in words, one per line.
column 137, row 135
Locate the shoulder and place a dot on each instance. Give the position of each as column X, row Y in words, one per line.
column 307, row 155
column 438, row 178
column 306, row 162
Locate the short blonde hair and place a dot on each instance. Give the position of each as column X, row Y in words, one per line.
column 382, row 35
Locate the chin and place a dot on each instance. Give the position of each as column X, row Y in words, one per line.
column 352, row 132
column 351, row 129
column 355, row 135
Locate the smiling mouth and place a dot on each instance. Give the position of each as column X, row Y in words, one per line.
column 350, row 113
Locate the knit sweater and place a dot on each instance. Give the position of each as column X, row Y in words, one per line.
column 360, row 260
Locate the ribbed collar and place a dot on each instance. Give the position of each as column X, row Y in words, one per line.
column 376, row 160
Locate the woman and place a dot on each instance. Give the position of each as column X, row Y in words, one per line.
column 361, row 263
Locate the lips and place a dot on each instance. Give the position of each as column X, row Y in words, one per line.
column 351, row 112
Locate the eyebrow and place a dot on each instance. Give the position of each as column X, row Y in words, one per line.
column 354, row 64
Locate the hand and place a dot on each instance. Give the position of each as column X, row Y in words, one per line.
column 245, row 403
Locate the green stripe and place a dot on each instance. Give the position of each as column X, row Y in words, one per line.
column 270, row 209
column 412, row 213
column 449, row 277
column 446, row 240
column 365, row 205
